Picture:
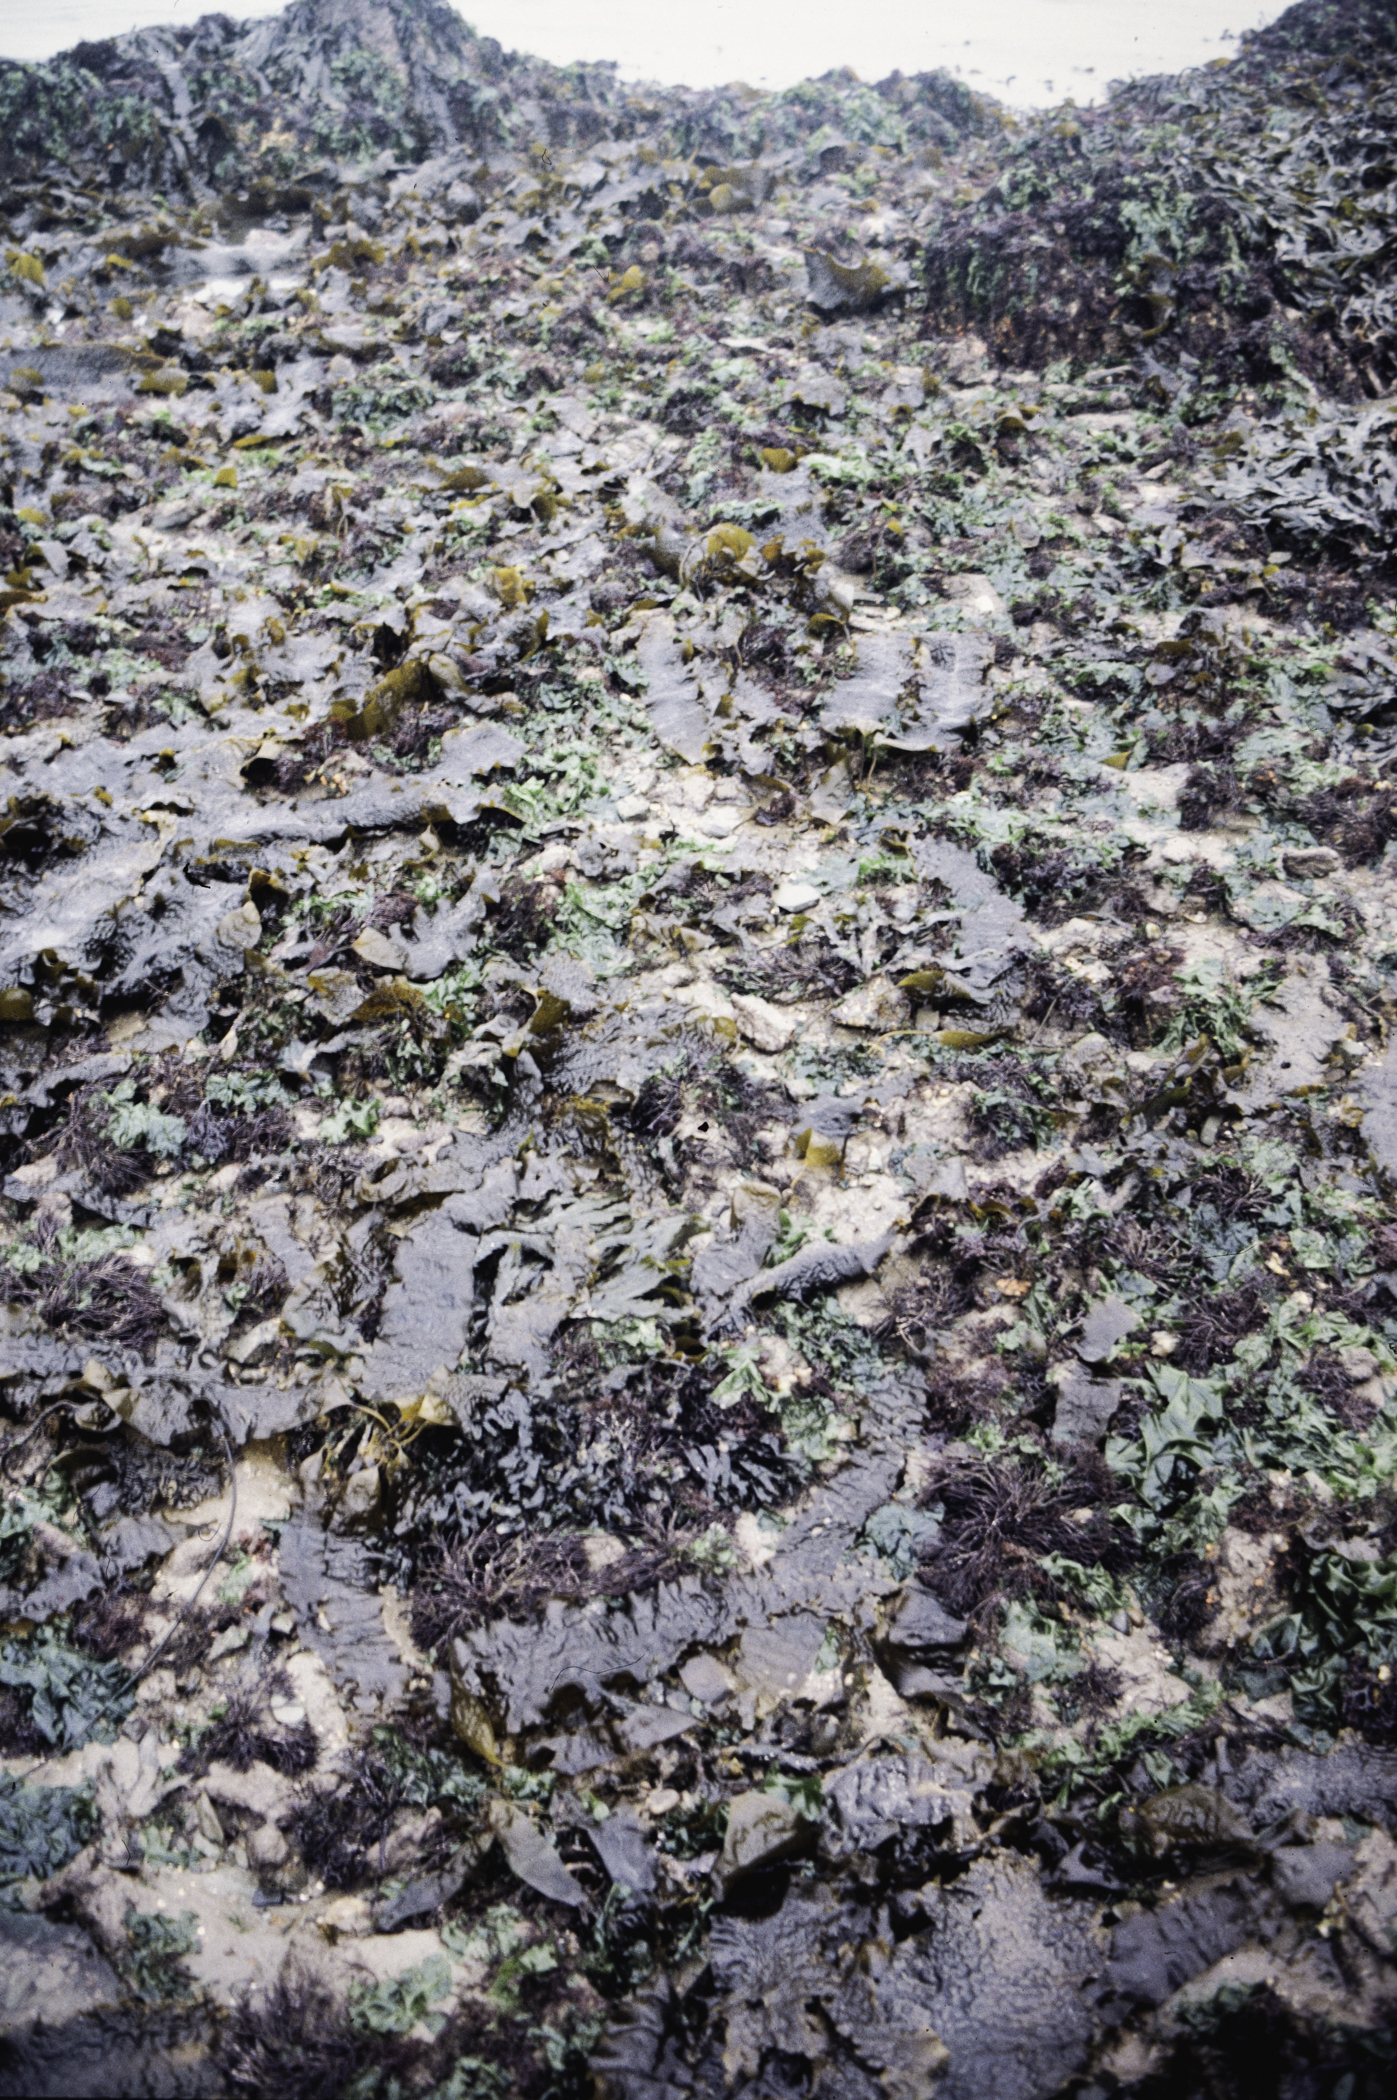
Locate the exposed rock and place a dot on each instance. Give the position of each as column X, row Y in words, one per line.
column 762, row 1830
column 763, row 1025
column 876, row 1005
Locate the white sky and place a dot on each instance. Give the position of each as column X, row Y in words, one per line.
column 1027, row 52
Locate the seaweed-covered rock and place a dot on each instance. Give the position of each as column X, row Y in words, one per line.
column 698, row 1316
column 1160, row 220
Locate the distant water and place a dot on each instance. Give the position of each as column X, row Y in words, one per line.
column 1027, row 52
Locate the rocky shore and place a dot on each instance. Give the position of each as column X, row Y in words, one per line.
column 698, row 1281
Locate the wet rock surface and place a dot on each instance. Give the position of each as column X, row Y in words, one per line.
column 698, row 1301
